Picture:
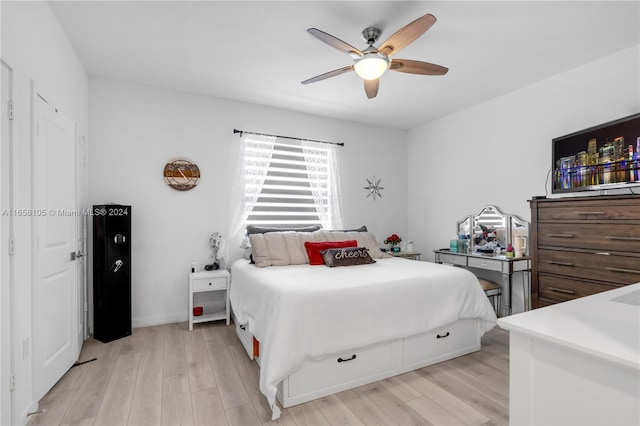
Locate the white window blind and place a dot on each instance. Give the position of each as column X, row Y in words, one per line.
column 290, row 183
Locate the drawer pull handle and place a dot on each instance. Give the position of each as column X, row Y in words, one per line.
column 609, row 237
column 562, row 290
column 595, row 213
column 630, row 271
column 242, row 327
column 561, row 235
column 553, row 262
column 443, row 336
column 348, row 359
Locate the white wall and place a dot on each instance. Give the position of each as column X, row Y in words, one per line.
column 136, row 130
column 499, row 152
column 35, row 46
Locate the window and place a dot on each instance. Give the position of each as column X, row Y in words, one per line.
column 289, row 183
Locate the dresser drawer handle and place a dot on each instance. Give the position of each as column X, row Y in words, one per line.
column 561, row 235
column 242, row 327
column 553, row 262
column 609, row 237
column 594, row 213
column 348, row 359
column 561, row 290
column 438, row 336
column 629, row 271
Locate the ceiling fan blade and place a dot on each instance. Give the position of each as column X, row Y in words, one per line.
column 371, row 87
column 328, row 74
column 334, row 42
column 417, row 67
column 407, row 35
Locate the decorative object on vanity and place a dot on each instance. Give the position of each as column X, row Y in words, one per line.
column 374, row 188
column 583, row 246
column 372, row 62
column 490, row 230
column 602, row 157
column 394, row 241
column 181, row 175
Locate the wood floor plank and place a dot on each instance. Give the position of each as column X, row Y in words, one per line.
column 434, row 413
column 392, row 405
column 177, row 407
column 364, row 408
column 459, row 409
column 174, row 355
column 52, row 407
column 232, row 389
column 116, row 402
column 242, row 415
column 250, row 375
column 336, row 413
column 464, row 392
column 198, row 364
column 146, row 402
column 401, row 389
column 307, row 414
column 208, row 408
column 153, row 345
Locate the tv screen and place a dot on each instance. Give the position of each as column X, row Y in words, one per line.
column 601, row 157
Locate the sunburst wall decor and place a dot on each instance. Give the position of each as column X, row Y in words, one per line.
column 374, row 188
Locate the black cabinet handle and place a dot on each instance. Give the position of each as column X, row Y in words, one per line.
column 348, row 359
column 242, row 327
column 442, row 337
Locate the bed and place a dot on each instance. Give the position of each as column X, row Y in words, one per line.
column 316, row 330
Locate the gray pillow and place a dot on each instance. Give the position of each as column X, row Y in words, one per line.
column 361, row 229
column 346, row 256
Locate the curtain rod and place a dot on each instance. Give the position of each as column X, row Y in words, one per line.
column 286, row 137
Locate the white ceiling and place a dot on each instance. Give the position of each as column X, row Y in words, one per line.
column 260, row 51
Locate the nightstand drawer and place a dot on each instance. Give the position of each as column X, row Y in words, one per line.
column 206, row 284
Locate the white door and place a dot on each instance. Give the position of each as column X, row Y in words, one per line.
column 5, row 249
column 55, row 297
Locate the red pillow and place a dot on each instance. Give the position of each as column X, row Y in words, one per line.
column 314, row 248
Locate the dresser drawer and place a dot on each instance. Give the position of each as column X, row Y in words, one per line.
column 483, row 263
column 432, row 346
column 561, row 289
column 354, row 366
column 206, row 284
column 594, row 236
column 592, row 210
column 601, row 267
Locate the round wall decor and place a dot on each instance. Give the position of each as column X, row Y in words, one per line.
column 181, row 175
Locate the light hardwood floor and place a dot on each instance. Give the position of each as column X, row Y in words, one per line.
column 166, row 375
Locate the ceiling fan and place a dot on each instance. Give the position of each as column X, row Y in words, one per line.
column 372, row 62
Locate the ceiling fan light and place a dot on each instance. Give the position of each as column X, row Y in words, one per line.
column 371, row 66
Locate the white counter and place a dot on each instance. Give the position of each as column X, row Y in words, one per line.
column 577, row 362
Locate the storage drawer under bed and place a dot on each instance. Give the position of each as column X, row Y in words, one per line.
column 246, row 338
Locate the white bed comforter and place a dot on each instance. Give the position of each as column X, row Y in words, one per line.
column 300, row 312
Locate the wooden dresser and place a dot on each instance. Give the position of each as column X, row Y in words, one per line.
column 582, row 246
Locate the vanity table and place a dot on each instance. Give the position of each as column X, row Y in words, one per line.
column 490, row 228
column 502, row 264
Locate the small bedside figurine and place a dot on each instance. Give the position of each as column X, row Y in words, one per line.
column 218, row 252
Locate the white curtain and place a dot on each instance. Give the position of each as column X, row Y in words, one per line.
column 252, row 165
column 322, row 169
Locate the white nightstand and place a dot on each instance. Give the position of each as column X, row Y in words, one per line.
column 209, row 289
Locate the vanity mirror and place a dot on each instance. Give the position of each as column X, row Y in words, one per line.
column 490, row 228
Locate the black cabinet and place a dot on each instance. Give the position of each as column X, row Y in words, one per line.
column 111, row 272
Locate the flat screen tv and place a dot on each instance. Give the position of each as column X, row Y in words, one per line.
column 600, row 157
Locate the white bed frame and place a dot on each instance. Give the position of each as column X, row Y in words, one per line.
column 316, row 379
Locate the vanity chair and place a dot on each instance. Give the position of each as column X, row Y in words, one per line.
column 493, row 291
